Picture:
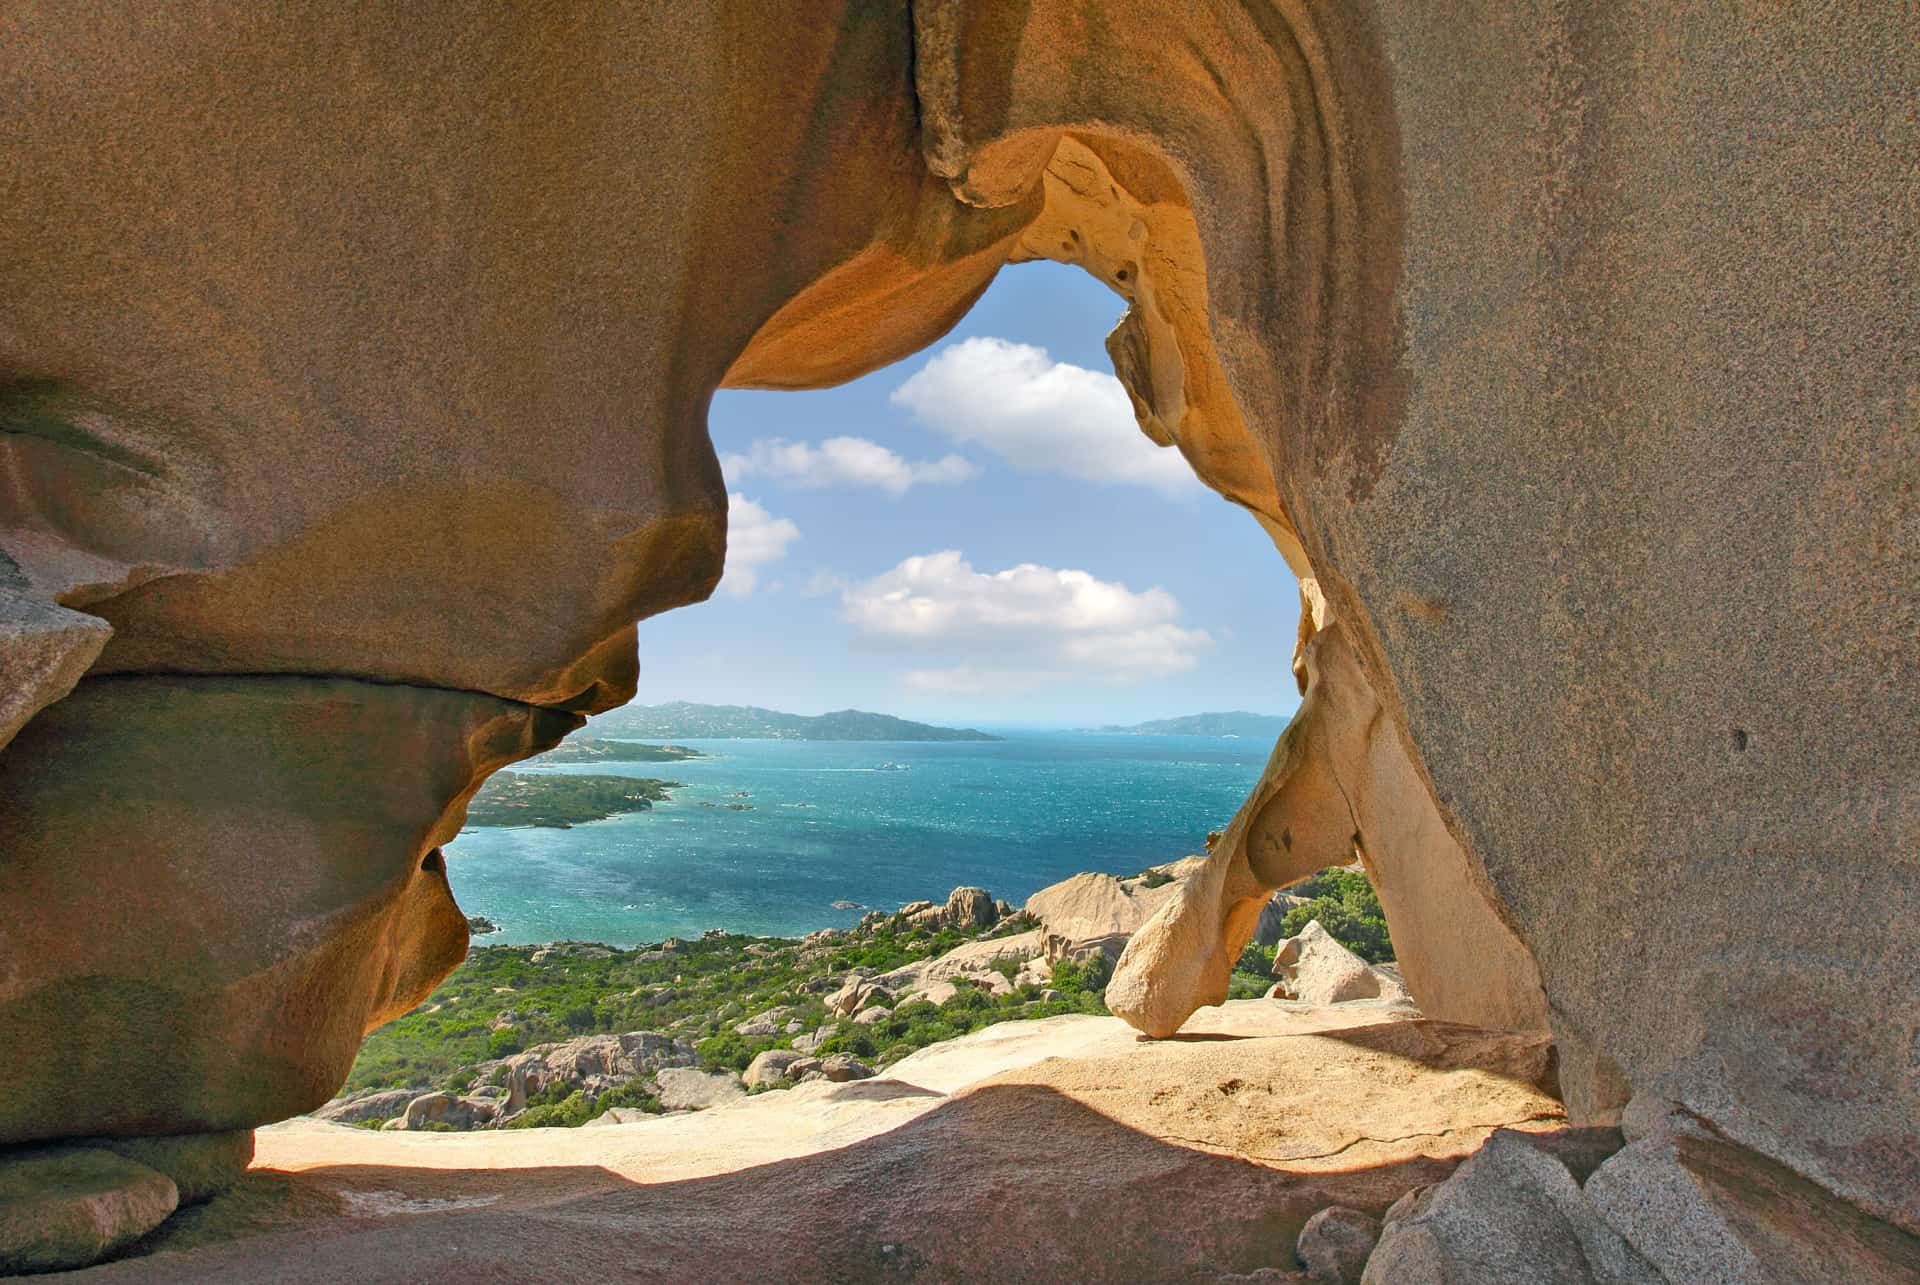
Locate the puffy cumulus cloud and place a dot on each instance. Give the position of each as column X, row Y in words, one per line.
column 1029, row 625
column 754, row 538
column 1040, row 415
column 843, row 461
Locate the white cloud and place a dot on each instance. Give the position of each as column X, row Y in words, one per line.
column 1012, row 630
column 1041, row 415
column 754, row 538
column 843, row 461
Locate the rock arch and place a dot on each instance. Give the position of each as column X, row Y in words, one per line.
column 356, row 401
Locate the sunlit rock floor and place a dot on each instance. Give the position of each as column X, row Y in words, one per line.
column 1067, row 1149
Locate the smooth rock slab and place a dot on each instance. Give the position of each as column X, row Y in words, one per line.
column 72, row 1206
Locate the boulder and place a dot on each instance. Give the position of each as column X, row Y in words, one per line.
column 856, row 994
column 67, row 1207
column 1095, row 907
column 867, row 1017
column 969, row 908
column 685, row 1088
column 1335, row 1243
column 842, row 1067
column 1559, row 351
column 446, row 1109
column 1269, row 929
column 1314, row 968
column 770, row 1067
column 1510, row 1214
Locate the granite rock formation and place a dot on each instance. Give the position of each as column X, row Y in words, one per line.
column 352, row 377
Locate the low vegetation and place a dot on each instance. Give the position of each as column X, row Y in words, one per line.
column 504, row 999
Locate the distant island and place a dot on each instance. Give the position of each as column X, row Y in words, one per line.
column 554, row 799
column 585, row 749
column 1236, row 722
column 751, row 723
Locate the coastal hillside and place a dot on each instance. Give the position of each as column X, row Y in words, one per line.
column 1238, row 722
column 750, row 722
column 570, row 1032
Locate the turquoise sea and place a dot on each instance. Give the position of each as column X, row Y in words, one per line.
column 878, row 823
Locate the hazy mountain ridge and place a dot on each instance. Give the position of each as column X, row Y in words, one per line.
column 750, row 722
column 1237, row 722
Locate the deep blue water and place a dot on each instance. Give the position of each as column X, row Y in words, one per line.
column 829, row 824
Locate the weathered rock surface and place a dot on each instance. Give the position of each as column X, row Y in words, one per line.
column 1511, row 1215
column 44, row 649
column 1338, row 787
column 1701, row 1209
column 1175, row 1161
column 1335, row 1243
column 121, row 816
column 65, row 1207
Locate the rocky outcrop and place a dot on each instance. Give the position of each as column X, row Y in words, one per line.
column 1093, row 913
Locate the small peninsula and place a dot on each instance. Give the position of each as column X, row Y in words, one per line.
column 750, row 722
column 1238, row 722
column 561, row 800
column 590, row 750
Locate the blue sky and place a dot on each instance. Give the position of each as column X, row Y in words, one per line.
column 979, row 534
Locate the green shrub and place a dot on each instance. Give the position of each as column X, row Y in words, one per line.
column 504, row 1042
column 570, row 1112
column 1344, row 903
